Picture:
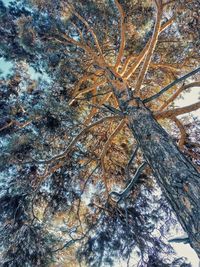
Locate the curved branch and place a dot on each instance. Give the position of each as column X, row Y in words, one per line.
column 134, row 180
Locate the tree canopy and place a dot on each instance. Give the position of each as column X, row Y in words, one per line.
column 77, row 186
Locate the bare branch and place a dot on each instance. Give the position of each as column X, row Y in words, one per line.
column 182, row 132
column 169, row 86
column 122, row 41
column 177, row 93
column 134, row 180
column 177, row 111
column 144, row 52
column 150, row 50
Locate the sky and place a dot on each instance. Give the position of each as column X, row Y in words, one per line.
column 6, row 2
column 189, row 99
column 5, row 66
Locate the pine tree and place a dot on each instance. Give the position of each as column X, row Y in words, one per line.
column 96, row 163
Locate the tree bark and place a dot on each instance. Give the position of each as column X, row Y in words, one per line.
column 175, row 174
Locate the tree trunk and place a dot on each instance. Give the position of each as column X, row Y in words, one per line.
column 175, row 174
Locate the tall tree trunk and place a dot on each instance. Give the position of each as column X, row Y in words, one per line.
column 177, row 177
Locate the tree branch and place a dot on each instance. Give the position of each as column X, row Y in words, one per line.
column 177, row 111
column 169, row 86
column 106, row 146
column 144, row 52
column 177, row 93
column 134, row 180
column 182, row 132
column 130, row 161
column 150, row 50
column 68, row 39
column 75, row 140
column 89, row 29
column 86, row 90
column 122, row 41
column 94, row 110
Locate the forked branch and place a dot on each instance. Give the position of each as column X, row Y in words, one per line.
column 142, row 55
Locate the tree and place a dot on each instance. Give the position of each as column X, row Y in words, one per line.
column 84, row 153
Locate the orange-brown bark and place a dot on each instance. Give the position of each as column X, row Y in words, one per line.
column 122, row 41
column 183, row 133
column 150, row 50
column 143, row 53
